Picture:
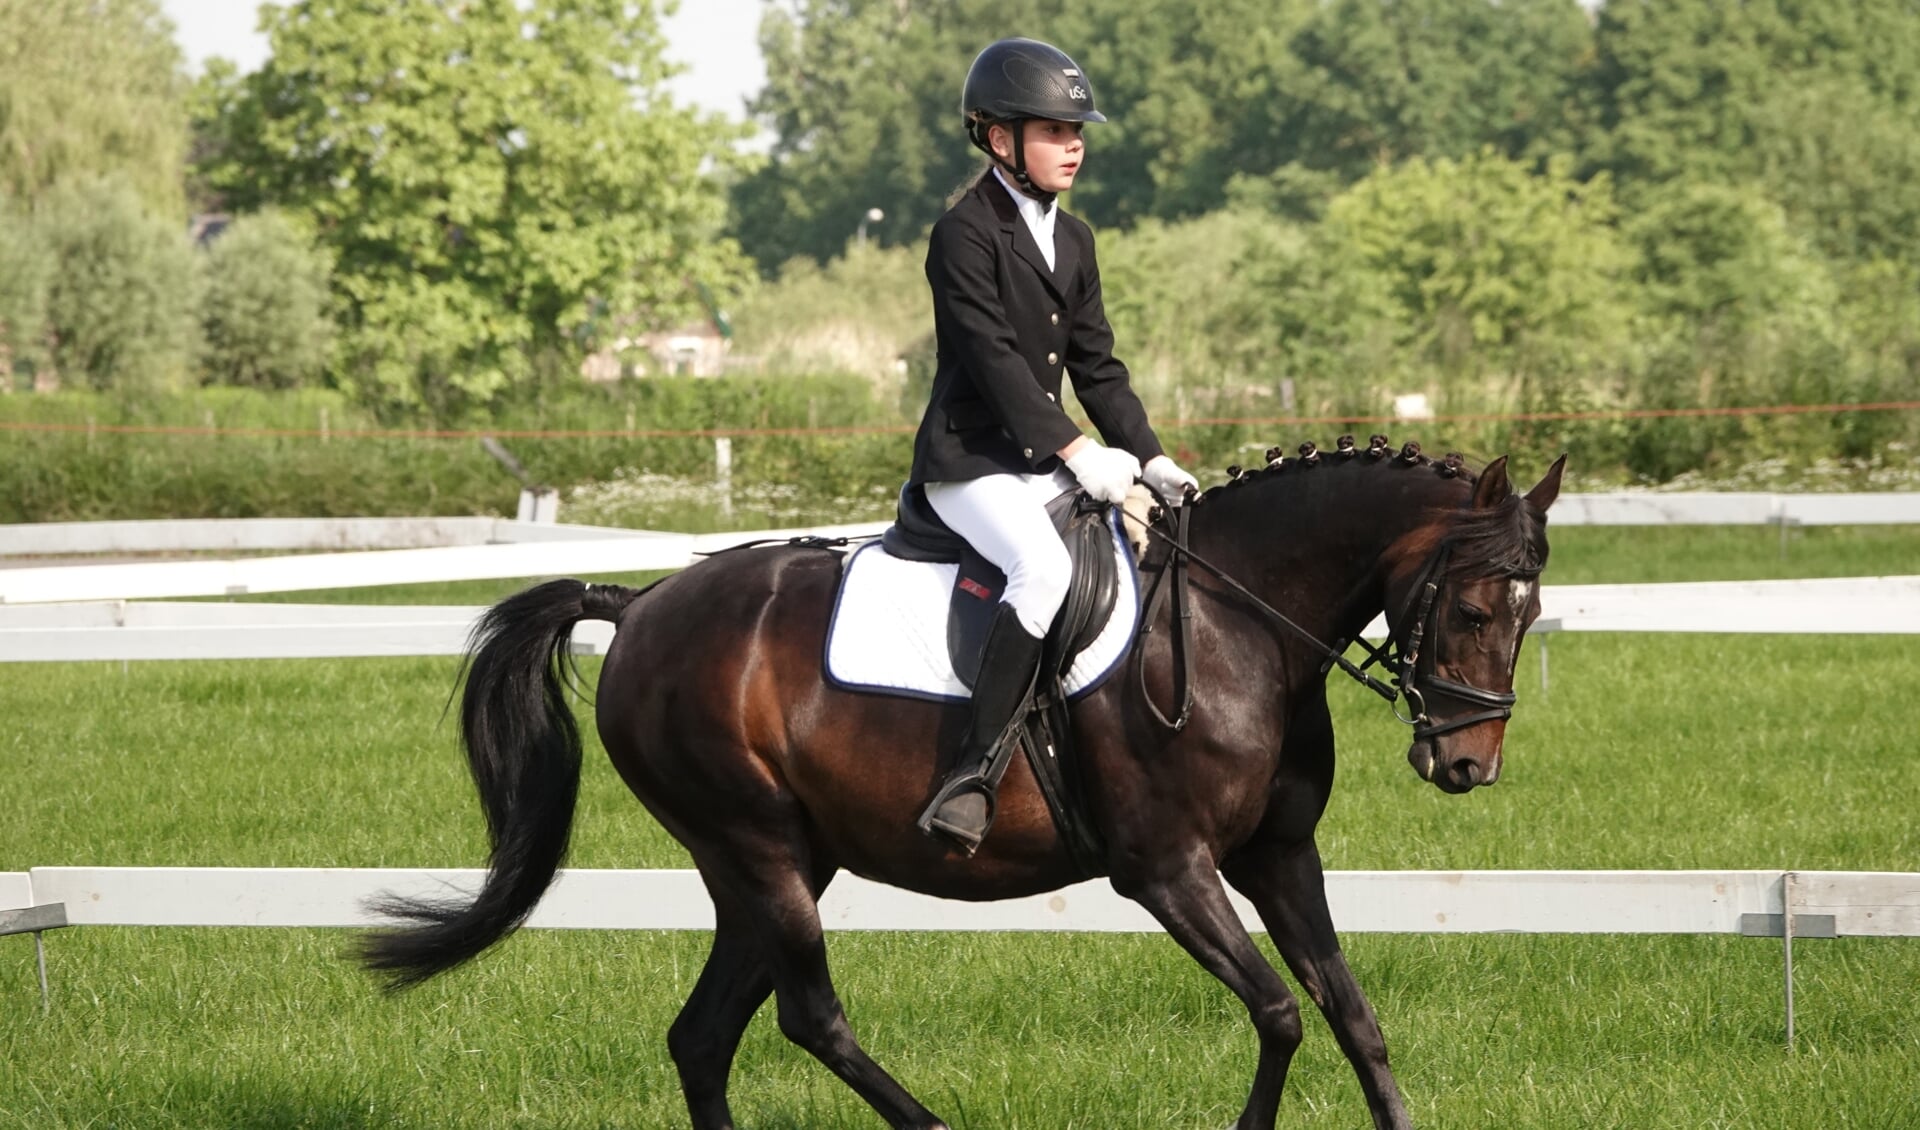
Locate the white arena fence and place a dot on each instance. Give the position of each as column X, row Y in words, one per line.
column 130, row 630
column 1783, row 904
column 419, row 550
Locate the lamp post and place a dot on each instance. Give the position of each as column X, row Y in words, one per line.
column 873, row 216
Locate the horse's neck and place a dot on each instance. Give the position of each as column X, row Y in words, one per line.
column 1313, row 542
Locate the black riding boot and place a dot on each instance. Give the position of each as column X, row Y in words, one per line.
column 963, row 808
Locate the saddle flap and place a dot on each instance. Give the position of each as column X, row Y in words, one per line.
column 979, row 584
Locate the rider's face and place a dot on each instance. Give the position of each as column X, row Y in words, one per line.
column 1054, row 151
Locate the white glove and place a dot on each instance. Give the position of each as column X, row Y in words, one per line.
column 1104, row 472
column 1165, row 478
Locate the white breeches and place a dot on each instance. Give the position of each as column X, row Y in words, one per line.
column 1005, row 518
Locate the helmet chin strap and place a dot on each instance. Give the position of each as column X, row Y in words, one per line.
column 1019, row 167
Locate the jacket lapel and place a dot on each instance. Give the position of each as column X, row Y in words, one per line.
column 1024, row 245
column 1066, row 257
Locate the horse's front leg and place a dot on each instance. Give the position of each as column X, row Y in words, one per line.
column 1190, row 902
column 1286, row 884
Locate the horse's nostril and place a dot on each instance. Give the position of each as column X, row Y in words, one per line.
column 1465, row 772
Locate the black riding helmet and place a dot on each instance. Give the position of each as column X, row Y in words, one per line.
column 1016, row 79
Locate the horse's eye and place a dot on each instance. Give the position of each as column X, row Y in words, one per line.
column 1473, row 616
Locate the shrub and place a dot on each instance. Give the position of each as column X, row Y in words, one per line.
column 24, row 282
column 122, row 295
column 264, row 310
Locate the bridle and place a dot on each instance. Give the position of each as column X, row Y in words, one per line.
column 1416, row 671
column 1413, row 669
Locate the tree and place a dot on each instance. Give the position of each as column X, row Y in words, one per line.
column 863, row 98
column 123, row 288
column 1376, row 83
column 264, row 311
column 23, row 295
column 1436, row 272
column 1725, row 92
column 91, row 89
column 497, row 182
column 1293, row 99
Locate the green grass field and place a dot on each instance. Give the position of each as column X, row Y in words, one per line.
column 1651, row 751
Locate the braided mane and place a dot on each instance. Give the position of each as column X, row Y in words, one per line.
column 1379, row 449
column 1507, row 539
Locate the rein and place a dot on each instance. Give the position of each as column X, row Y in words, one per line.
column 1412, row 666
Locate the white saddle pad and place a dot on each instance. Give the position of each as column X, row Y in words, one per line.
column 889, row 630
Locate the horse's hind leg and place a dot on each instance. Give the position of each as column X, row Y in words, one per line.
column 707, row 1032
column 1286, row 884
column 1194, row 908
column 775, row 905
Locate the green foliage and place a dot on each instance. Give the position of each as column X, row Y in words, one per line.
column 1174, row 295
column 123, row 291
column 1724, row 261
column 497, row 182
column 1451, row 278
column 1815, row 100
column 24, row 284
column 65, row 461
column 857, row 313
column 1378, row 83
column 264, row 311
column 1291, row 99
column 91, row 89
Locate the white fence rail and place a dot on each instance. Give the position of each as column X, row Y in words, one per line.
column 594, row 552
column 126, row 630
column 254, row 535
column 417, row 550
column 1708, row 508
column 1626, row 508
column 1825, row 903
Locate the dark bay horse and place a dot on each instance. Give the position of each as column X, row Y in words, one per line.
column 714, row 710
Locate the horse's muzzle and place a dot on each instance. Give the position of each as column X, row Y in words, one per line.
column 1450, row 775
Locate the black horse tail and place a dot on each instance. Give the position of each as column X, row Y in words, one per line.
column 524, row 751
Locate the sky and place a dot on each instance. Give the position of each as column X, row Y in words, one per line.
column 716, row 40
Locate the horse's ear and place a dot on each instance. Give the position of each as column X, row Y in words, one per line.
column 1548, row 488
column 1492, row 487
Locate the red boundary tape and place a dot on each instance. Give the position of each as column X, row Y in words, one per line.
column 896, row 429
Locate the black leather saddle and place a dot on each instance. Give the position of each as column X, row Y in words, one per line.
column 918, row 534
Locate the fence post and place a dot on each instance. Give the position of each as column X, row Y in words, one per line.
column 723, row 471
column 1786, row 936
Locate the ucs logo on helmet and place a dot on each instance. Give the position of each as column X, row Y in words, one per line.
column 1077, row 92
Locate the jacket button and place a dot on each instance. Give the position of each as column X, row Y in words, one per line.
column 1054, row 317
column 1028, row 452
column 1053, row 398
column 1053, row 358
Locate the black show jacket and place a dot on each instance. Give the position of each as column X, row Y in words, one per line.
column 1007, row 329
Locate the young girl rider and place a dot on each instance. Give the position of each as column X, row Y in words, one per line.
column 1016, row 306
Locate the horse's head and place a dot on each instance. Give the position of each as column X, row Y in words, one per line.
column 1461, row 592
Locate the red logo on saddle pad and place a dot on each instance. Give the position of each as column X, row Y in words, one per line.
column 974, row 588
